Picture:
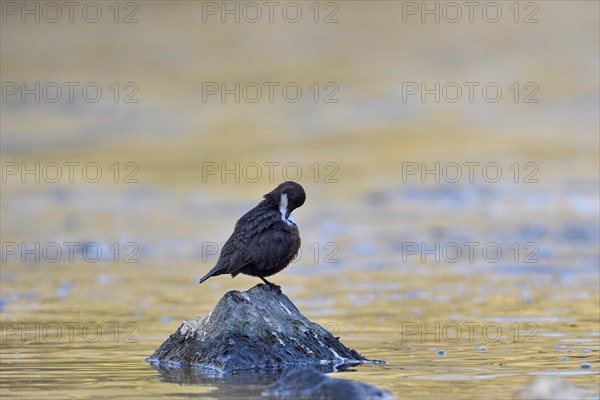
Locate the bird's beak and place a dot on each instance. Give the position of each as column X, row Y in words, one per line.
column 287, row 214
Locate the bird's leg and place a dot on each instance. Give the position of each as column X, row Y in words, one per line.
column 265, row 281
column 272, row 285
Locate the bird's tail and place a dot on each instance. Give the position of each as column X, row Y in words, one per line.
column 212, row 272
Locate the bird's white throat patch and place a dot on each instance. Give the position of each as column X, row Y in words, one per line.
column 283, row 203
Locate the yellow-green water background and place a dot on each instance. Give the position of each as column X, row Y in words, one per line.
column 374, row 295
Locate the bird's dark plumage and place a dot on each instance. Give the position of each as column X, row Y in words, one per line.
column 266, row 239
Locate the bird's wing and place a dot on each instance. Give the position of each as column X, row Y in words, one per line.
column 267, row 250
column 234, row 253
column 254, row 222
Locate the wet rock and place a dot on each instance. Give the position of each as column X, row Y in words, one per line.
column 257, row 329
column 308, row 383
column 254, row 381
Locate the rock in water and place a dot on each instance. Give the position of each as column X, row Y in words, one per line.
column 308, row 383
column 257, row 329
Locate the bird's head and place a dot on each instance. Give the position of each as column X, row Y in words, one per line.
column 287, row 197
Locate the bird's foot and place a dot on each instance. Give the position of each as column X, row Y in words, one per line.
column 276, row 287
column 271, row 285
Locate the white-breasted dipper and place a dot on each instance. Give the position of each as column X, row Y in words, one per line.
column 266, row 239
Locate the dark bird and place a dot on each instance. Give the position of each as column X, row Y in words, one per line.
column 266, row 239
